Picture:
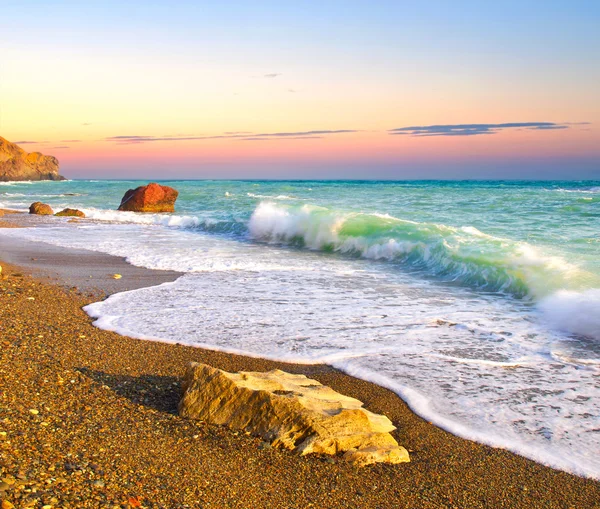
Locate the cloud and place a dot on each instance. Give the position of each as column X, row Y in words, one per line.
column 147, row 139
column 272, row 75
column 304, row 133
column 475, row 129
column 293, row 138
column 87, row 123
column 28, row 142
column 70, row 141
column 241, row 135
column 131, row 138
column 548, row 127
column 62, row 146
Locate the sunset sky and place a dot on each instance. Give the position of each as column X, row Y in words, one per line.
column 327, row 89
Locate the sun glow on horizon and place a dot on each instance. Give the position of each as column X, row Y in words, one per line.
column 300, row 95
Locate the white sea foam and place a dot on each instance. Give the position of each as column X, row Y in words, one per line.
column 16, row 182
column 171, row 220
column 38, row 195
column 574, row 312
column 269, row 197
column 593, row 189
column 144, row 245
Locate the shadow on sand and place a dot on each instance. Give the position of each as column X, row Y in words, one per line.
column 161, row 393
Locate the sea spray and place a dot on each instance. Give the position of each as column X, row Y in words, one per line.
column 574, row 312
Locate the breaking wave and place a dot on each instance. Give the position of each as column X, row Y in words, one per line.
column 464, row 255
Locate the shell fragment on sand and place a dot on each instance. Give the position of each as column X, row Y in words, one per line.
column 290, row 411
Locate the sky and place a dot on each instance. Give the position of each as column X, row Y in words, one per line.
column 299, row 90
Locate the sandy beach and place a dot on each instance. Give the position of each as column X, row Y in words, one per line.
column 88, row 418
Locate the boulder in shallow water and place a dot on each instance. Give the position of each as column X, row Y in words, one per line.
column 41, row 209
column 290, row 411
column 70, row 213
column 150, row 198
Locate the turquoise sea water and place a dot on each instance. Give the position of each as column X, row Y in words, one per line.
column 478, row 302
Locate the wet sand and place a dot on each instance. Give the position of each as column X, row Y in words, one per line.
column 104, row 431
column 90, row 271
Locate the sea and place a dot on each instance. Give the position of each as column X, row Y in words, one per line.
column 476, row 302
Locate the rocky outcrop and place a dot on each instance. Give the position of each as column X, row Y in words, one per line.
column 70, row 213
column 41, row 209
column 290, row 411
column 16, row 164
column 150, row 198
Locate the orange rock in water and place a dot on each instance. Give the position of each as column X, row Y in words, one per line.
column 150, row 198
column 70, row 213
column 41, row 209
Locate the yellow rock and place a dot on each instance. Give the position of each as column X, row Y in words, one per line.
column 70, row 213
column 290, row 411
column 7, row 505
column 117, row 276
column 370, row 455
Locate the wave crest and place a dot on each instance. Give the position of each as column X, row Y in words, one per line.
column 465, row 255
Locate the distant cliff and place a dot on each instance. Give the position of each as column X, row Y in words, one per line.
column 16, row 164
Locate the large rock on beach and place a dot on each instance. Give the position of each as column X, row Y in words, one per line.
column 41, row 209
column 290, row 411
column 16, row 164
column 150, row 198
column 70, row 213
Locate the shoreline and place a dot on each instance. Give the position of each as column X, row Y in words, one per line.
column 445, row 471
